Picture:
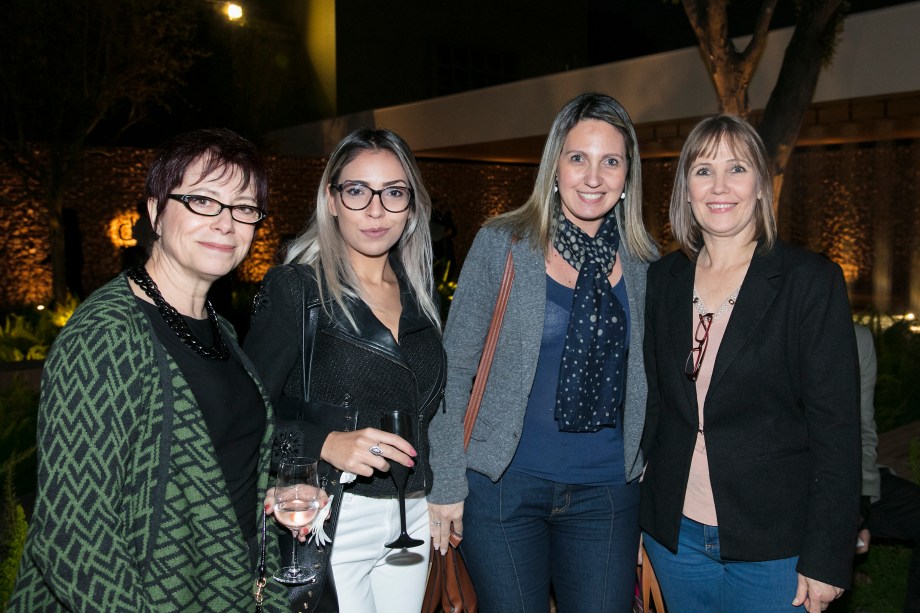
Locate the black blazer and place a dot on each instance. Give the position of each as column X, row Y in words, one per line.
column 781, row 413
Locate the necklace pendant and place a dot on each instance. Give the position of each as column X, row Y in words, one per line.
column 174, row 319
column 718, row 313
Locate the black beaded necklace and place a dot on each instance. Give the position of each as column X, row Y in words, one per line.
column 174, row 319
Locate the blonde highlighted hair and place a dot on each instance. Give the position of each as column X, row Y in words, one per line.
column 535, row 220
column 704, row 140
column 321, row 244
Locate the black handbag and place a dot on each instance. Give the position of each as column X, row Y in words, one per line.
column 318, row 596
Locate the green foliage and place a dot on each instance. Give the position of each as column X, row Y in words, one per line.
column 18, row 414
column 19, row 341
column 60, row 312
column 881, row 580
column 12, row 532
column 28, row 335
column 446, row 283
column 897, row 389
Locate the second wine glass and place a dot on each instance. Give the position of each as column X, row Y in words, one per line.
column 398, row 423
column 297, row 502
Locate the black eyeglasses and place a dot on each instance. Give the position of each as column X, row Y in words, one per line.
column 209, row 207
column 701, row 336
column 357, row 196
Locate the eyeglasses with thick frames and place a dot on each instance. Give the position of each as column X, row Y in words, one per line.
column 357, row 196
column 701, row 336
column 209, row 207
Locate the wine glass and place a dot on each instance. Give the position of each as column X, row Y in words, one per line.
column 297, row 503
column 398, row 423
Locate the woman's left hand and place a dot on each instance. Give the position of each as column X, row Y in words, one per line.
column 815, row 595
column 446, row 523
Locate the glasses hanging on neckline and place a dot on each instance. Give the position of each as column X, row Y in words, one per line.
column 701, row 337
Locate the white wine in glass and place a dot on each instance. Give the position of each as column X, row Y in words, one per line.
column 297, row 502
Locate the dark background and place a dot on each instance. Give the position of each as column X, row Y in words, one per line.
column 257, row 77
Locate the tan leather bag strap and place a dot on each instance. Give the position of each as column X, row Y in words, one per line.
column 488, row 350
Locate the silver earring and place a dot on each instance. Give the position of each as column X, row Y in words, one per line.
column 623, row 195
column 555, row 186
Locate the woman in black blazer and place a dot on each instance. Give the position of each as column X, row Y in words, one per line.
column 750, row 497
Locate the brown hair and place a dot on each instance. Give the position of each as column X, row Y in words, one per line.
column 744, row 143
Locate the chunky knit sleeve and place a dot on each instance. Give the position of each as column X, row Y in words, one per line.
column 83, row 541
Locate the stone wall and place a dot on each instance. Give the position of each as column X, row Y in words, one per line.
column 857, row 203
column 25, row 274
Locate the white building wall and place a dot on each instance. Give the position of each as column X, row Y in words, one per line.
column 878, row 54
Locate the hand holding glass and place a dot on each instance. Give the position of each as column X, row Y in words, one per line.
column 297, row 502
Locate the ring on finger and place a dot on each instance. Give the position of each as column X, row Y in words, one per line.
column 437, row 523
column 376, row 450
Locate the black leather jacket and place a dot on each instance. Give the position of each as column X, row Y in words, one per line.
column 365, row 369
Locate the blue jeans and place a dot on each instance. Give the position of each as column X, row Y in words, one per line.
column 524, row 533
column 697, row 580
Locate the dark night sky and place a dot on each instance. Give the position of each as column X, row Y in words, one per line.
column 220, row 92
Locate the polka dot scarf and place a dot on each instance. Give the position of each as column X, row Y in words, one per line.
column 592, row 374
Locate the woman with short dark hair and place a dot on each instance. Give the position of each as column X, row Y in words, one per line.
column 153, row 429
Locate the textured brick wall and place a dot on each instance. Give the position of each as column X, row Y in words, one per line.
column 859, row 204
column 111, row 185
column 25, row 276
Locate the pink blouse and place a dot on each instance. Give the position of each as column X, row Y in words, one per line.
column 698, row 503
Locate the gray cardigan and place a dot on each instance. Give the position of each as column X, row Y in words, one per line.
column 501, row 415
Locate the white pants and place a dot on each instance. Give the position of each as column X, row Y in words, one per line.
column 369, row 577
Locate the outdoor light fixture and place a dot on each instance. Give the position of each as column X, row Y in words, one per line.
column 120, row 229
column 234, row 11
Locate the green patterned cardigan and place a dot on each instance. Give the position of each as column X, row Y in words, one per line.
column 130, row 516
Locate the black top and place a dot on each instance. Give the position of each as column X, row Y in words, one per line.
column 232, row 408
column 364, row 368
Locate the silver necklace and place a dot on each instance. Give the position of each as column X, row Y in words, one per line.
column 726, row 304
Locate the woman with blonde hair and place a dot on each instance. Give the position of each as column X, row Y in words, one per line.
column 547, row 492
column 363, row 267
column 751, row 494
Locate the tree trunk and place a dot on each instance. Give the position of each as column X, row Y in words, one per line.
column 731, row 70
column 795, row 85
column 57, row 247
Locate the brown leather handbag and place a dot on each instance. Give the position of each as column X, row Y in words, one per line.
column 449, row 587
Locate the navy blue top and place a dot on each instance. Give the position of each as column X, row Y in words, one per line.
column 584, row 458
